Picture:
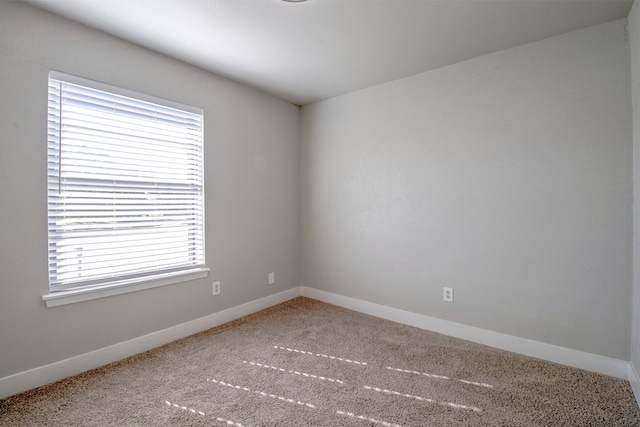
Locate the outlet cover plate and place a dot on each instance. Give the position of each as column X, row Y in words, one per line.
column 447, row 294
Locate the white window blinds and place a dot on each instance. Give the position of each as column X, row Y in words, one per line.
column 125, row 186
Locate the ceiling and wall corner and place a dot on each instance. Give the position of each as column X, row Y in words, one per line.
column 309, row 51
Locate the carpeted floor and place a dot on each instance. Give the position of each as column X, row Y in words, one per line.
column 306, row 363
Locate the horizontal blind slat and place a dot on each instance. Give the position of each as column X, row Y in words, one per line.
column 92, row 97
column 97, row 250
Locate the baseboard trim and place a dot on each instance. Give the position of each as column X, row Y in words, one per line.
column 634, row 380
column 42, row 375
column 565, row 356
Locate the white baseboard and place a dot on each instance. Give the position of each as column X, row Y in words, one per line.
column 36, row 377
column 634, row 380
column 565, row 356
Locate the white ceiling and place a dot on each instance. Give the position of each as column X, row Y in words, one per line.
column 317, row 49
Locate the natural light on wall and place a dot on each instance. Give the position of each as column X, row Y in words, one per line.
column 125, row 186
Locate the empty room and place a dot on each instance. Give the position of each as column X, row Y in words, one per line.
column 319, row 212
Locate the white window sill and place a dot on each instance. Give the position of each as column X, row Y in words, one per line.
column 71, row 296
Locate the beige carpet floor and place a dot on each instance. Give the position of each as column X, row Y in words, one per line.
column 307, row 363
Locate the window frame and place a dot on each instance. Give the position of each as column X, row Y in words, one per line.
column 119, row 285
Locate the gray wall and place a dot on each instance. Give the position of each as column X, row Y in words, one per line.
column 634, row 46
column 507, row 177
column 252, row 206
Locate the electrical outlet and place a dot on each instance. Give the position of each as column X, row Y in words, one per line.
column 447, row 294
column 272, row 278
column 216, row 288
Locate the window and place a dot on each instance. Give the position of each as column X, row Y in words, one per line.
column 125, row 187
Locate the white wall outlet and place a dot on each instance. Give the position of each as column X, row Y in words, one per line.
column 216, row 288
column 272, row 278
column 447, row 294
